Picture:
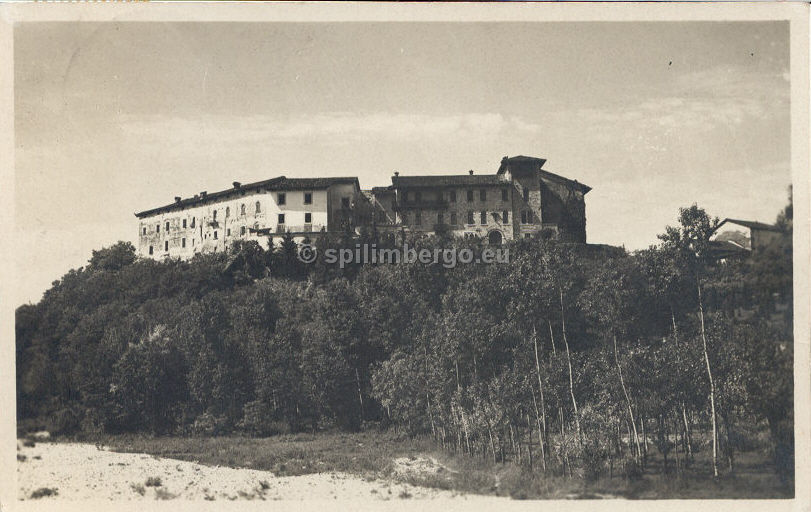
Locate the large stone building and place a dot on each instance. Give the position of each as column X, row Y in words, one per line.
column 258, row 211
column 521, row 199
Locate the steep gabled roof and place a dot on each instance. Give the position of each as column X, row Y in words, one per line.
column 526, row 164
column 751, row 224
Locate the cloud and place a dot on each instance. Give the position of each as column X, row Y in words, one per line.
column 339, row 127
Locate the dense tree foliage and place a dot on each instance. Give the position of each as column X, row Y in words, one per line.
column 570, row 358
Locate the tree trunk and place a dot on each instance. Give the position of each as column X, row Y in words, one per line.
column 569, row 363
column 627, row 400
column 712, row 384
column 552, row 338
column 541, row 432
column 540, row 381
column 688, row 439
column 360, row 394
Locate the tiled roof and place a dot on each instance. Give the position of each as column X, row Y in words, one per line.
column 751, row 224
column 278, row 183
column 447, row 180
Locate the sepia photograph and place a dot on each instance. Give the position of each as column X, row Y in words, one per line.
column 408, row 259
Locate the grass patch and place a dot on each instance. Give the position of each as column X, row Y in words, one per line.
column 369, row 455
column 138, row 488
column 163, row 494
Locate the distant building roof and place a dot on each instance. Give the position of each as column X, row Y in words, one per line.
column 750, row 224
column 278, row 183
column 447, row 180
column 720, row 249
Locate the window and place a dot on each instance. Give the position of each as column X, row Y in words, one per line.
column 526, row 194
column 470, row 218
column 527, row 235
column 184, row 223
column 215, row 214
column 505, row 194
column 281, row 218
column 281, row 198
column 242, row 209
column 144, row 231
column 484, row 217
column 505, row 216
column 523, row 217
column 242, row 231
column 453, row 218
column 344, row 202
column 227, row 211
column 404, row 218
column 167, row 227
column 215, row 235
column 258, row 207
column 308, row 218
column 469, row 196
column 418, row 218
column 440, row 218
column 158, row 228
column 452, row 196
column 308, row 198
column 166, row 245
column 228, row 232
column 483, row 195
column 192, row 221
column 150, row 249
column 182, row 242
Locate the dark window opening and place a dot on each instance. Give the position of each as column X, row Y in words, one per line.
column 166, row 246
column 242, row 210
column 505, row 194
column 470, row 218
column 227, row 211
column 344, row 202
column 215, row 235
column 258, row 207
column 184, row 223
column 150, row 249
column 483, row 217
column 158, row 228
column 215, row 214
column 228, row 232
column 505, row 216
column 281, row 198
column 144, row 230
column 308, row 198
column 281, row 218
column 418, row 218
column 453, row 218
column 242, row 230
column 526, row 194
column 469, row 196
column 452, row 196
column 308, row 218
column 440, row 219
column 182, row 242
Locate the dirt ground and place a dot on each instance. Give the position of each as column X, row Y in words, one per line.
column 86, row 471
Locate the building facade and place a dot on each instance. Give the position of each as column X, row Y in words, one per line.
column 258, row 211
column 520, row 200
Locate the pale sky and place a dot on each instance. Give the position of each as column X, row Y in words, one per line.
column 114, row 118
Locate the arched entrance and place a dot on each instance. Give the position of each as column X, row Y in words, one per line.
column 494, row 238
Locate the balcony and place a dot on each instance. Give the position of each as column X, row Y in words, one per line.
column 304, row 228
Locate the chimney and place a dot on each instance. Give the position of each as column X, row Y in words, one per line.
column 504, row 160
column 177, row 199
column 237, row 184
column 396, row 173
column 471, row 172
column 203, row 194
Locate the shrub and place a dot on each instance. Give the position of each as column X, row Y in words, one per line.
column 140, row 489
column 44, row 492
column 153, row 481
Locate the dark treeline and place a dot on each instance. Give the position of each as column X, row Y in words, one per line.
column 570, row 359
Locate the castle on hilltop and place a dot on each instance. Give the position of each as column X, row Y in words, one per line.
column 520, row 200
